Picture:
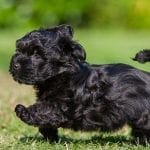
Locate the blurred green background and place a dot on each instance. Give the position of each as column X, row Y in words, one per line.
column 127, row 14
column 110, row 31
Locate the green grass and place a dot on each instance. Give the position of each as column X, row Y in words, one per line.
column 102, row 47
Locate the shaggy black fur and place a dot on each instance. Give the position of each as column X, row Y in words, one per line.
column 74, row 94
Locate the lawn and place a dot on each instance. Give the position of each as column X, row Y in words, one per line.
column 102, row 47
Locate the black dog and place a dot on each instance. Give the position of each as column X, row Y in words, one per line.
column 74, row 94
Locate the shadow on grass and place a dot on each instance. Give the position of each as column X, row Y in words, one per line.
column 103, row 140
column 98, row 140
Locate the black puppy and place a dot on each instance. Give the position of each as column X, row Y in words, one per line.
column 74, row 94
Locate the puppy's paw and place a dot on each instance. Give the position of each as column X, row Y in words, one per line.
column 22, row 112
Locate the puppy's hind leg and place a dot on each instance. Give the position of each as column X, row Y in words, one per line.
column 141, row 129
column 141, row 136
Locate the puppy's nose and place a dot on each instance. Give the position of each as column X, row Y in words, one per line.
column 17, row 66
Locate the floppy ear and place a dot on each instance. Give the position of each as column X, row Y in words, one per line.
column 72, row 48
column 65, row 30
column 78, row 51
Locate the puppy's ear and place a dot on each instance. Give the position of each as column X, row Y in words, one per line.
column 72, row 48
column 65, row 30
column 78, row 51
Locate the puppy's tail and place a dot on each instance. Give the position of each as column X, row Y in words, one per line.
column 142, row 56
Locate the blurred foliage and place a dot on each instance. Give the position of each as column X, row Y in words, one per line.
column 82, row 13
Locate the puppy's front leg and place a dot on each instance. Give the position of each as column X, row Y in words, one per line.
column 41, row 114
column 47, row 117
column 49, row 133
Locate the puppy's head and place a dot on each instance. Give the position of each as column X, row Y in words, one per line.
column 45, row 53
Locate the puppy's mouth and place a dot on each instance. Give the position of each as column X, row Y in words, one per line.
column 26, row 78
column 23, row 80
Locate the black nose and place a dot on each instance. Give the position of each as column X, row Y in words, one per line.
column 17, row 66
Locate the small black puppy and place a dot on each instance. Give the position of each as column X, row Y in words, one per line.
column 74, row 94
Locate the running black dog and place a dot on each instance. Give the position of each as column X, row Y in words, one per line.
column 74, row 94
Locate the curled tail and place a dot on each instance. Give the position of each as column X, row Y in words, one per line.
column 142, row 56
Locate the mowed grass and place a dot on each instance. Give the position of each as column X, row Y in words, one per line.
column 102, row 47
